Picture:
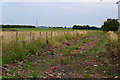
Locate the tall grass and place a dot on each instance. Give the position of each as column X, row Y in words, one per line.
column 18, row 50
column 118, row 43
column 114, row 41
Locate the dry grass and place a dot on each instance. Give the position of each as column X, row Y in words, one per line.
column 13, row 50
column 113, row 37
column 114, row 41
column 11, row 36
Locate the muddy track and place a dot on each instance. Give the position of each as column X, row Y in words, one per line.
column 74, row 63
column 58, row 70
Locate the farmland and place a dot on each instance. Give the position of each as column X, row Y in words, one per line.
column 60, row 53
column 36, row 29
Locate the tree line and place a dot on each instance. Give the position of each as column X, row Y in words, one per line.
column 16, row 26
column 108, row 25
column 85, row 27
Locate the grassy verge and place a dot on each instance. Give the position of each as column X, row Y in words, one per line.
column 19, row 50
column 118, row 48
column 100, row 48
column 113, row 39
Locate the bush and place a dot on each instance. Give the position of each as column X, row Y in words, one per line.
column 110, row 25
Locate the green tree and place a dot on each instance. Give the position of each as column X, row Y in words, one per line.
column 110, row 25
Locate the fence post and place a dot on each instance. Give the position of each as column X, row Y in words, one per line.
column 16, row 36
column 30, row 36
column 46, row 38
column 64, row 32
column 51, row 34
column 56, row 33
column 2, row 38
column 40, row 34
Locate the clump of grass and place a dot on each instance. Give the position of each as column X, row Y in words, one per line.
column 65, row 60
column 28, row 65
column 114, row 40
column 52, row 53
column 118, row 48
column 73, row 48
column 35, row 76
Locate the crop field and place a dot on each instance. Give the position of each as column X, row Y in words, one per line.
column 60, row 53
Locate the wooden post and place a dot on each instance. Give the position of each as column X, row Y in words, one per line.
column 16, row 36
column 118, row 43
column 46, row 38
column 40, row 34
column 2, row 38
column 56, row 33
column 51, row 34
column 30, row 36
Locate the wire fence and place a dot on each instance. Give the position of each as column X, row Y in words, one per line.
column 11, row 36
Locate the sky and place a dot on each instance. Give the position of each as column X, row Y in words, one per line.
column 58, row 13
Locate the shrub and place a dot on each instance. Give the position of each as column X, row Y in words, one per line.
column 110, row 25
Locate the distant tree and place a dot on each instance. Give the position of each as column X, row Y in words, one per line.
column 85, row 27
column 110, row 25
column 17, row 26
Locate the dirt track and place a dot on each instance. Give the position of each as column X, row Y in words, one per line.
column 67, row 62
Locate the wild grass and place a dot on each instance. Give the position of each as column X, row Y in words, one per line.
column 113, row 37
column 113, row 40
column 118, row 48
column 18, row 50
column 100, row 49
column 65, row 60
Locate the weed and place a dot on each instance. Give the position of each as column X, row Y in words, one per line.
column 10, row 72
column 52, row 53
column 35, row 76
column 28, row 65
column 88, row 69
column 18, row 74
column 41, row 57
column 114, row 41
column 65, row 60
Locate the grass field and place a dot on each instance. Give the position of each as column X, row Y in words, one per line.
column 41, row 29
column 88, row 54
column 38, row 29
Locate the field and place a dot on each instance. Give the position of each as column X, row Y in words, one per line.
column 60, row 53
column 37, row 29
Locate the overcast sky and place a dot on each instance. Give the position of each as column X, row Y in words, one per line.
column 58, row 13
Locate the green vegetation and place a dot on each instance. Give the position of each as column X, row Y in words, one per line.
column 118, row 48
column 114, row 40
column 37, row 29
column 65, row 60
column 80, row 56
column 19, row 50
column 110, row 25
column 85, row 27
